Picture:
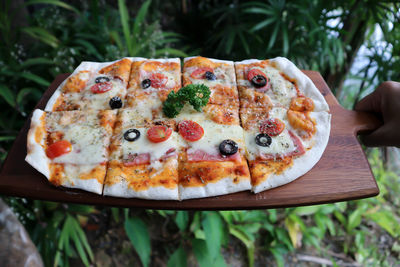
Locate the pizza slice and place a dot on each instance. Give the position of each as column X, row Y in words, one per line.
column 144, row 159
column 218, row 75
column 71, row 147
column 151, row 80
column 282, row 144
column 97, row 86
column 212, row 159
column 274, row 82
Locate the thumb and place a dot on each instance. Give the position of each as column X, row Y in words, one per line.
column 379, row 137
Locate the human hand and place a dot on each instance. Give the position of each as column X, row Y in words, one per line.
column 385, row 101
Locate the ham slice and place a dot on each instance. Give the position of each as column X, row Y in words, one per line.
column 299, row 150
column 200, row 155
column 144, row 158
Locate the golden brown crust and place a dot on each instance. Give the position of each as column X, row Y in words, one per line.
column 120, row 69
column 195, row 174
column 261, row 170
column 143, row 177
column 75, row 84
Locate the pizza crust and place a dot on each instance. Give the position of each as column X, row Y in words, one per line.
column 211, row 59
column 306, row 162
column 122, row 189
column 36, row 155
column 221, row 187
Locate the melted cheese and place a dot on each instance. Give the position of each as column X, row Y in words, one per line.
column 224, row 76
column 280, row 145
column 281, row 91
column 88, row 145
column 214, row 134
column 101, row 101
column 142, row 145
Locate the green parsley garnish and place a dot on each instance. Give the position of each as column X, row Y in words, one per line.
column 196, row 94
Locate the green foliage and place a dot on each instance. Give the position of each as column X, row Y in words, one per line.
column 139, row 236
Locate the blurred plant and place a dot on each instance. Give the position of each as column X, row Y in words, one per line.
column 55, row 229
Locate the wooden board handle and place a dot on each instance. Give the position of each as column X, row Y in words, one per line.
column 365, row 122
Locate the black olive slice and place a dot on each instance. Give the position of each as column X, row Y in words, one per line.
column 115, row 102
column 228, row 147
column 210, row 76
column 146, row 83
column 259, row 81
column 131, row 135
column 102, row 79
column 263, row 140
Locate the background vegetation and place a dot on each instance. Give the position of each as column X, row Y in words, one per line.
column 355, row 45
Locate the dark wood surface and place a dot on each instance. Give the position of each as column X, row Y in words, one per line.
column 343, row 172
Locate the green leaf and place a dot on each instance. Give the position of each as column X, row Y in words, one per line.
column 201, row 253
column 387, row 221
column 203, row 257
column 213, row 230
column 306, row 210
column 262, row 24
column 247, row 241
column 273, row 36
column 35, row 78
column 42, row 35
column 178, row 258
column 182, row 219
column 7, row 138
column 36, row 61
column 139, row 20
column 139, row 236
column 354, row 220
column 83, row 240
column 7, row 95
column 53, row 2
column 90, row 49
column 170, row 52
column 115, row 36
column 124, row 15
column 115, row 214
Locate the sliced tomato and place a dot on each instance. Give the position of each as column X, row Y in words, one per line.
column 159, row 133
column 272, row 126
column 158, row 80
column 200, row 72
column 254, row 72
column 58, row 148
column 100, row 88
column 190, row 130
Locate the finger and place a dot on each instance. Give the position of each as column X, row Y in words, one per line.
column 379, row 137
column 370, row 103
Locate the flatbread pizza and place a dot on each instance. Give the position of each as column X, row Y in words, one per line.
column 159, row 129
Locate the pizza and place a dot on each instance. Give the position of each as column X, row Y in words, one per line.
column 156, row 129
column 71, row 147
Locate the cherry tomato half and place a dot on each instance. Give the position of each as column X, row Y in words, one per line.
column 158, row 80
column 254, row 72
column 190, row 130
column 200, row 72
column 272, row 126
column 159, row 133
column 100, row 88
column 58, row 148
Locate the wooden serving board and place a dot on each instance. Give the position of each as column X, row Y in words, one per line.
column 343, row 172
